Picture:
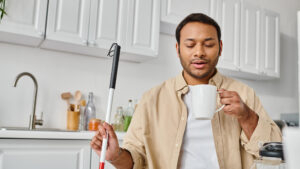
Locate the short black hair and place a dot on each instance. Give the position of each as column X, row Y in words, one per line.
column 197, row 17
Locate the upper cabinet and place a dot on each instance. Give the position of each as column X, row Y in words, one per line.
column 271, row 44
column 143, row 27
column 91, row 26
column 250, row 38
column 107, row 23
column 24, row 22
column 227, row 14
column 68, row 21
column 173, row 11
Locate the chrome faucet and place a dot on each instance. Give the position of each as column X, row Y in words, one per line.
column 33, row 121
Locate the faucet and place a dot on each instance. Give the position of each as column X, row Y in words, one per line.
column 33, row 121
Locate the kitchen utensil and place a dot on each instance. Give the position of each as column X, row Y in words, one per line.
column 113, row 77
column 82, row 102
column 67, row 96
column 77, row 97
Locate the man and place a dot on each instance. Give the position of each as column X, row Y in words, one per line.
column 163, row 133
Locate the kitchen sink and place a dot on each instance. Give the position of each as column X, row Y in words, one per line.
column 37, row 129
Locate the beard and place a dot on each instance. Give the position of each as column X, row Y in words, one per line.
column 210, row 71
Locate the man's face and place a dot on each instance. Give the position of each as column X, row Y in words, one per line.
column 199, row 50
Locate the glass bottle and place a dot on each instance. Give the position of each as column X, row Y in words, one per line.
column 90, row 111
column 119, row 120
column 128, row 115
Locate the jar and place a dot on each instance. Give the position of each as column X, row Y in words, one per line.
column 93, row 124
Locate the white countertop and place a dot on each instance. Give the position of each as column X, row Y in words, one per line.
column 76, row 135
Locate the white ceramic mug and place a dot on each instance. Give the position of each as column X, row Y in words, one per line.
column 204, row 99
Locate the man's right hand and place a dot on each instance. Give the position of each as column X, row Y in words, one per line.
column 113, row 148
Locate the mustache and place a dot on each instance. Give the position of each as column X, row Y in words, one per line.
column 199, row 60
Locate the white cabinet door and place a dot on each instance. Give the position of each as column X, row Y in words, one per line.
column 271, row 46
column 143, row 27
column 68, row 21
column 44, row 154
column 108, row 20
column 250, row 38
column 228, row 17
column 24, row 23
column 173, row 11
column 107, row 23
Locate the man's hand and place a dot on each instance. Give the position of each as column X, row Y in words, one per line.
column 113, row 148
column 119, row 158
column 235, row 106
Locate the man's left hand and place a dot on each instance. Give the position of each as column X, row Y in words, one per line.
column 234, row 105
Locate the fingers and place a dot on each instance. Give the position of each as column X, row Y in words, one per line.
column 110, row 130
column 101, row 130
column 226, row 101
column 227, row 94
column 96, row 142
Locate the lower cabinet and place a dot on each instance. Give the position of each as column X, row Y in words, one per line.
column 44, row 154
column 48, row 154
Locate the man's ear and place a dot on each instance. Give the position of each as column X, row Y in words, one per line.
column 220, row 47
column 177, row 49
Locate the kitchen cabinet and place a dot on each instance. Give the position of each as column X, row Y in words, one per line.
column 24, row 23
column 250, row 42
column 68, row 21
column 46, row 154
column 173, row 11
column 270, row 64
column 49, row 149
column 91, row 26
column 250, row 38
column 228, row 17
column 143, row 27
column 107, row 23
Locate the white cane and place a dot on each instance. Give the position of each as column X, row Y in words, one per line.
column 113, row 78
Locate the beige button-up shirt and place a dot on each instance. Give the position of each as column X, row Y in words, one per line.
column 155, row 135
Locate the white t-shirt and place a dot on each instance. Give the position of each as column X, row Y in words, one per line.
column 198, row 149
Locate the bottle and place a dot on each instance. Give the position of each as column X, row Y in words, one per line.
column 128, row 115
column 118, row 124
column 89, row 111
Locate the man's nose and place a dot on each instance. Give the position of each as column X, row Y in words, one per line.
column 199, row 51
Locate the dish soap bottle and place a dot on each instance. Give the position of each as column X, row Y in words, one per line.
column 89, row 111
column 128, row 115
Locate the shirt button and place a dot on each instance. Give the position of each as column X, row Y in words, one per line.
column 182, row 118
column 176, row 145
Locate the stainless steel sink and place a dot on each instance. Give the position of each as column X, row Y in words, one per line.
column 36, row 129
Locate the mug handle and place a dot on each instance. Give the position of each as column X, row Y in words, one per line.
column 219, row 109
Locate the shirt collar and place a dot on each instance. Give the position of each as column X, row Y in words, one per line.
column 182, row 86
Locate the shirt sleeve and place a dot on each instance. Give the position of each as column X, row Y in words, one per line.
column 133, row 140
column 265, row 131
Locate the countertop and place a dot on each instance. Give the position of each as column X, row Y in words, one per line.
column 68, row 135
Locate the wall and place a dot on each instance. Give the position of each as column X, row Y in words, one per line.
column 59, row 72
